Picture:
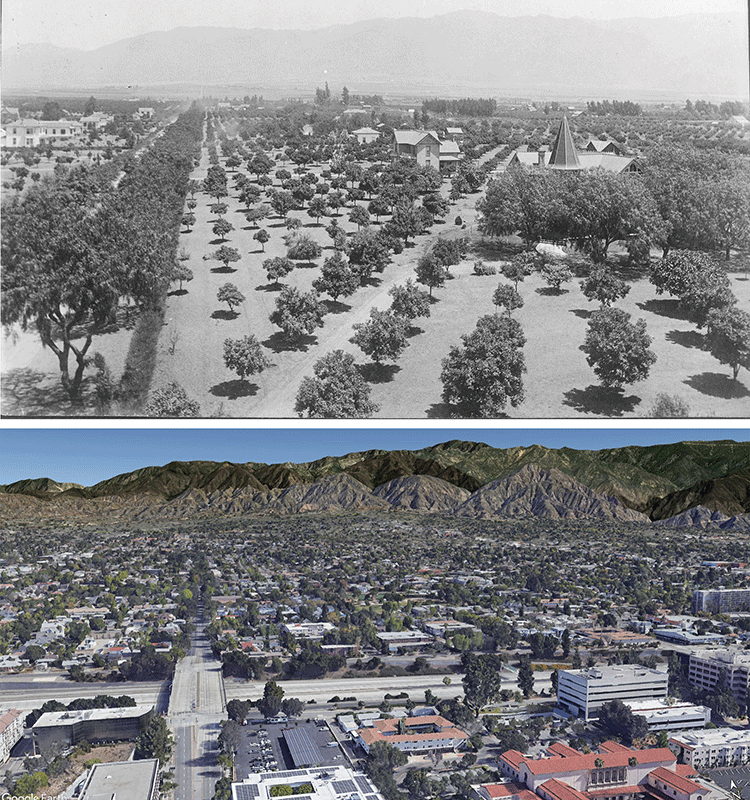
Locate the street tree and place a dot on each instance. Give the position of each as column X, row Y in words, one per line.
column 337, row 278
column 297, row 313
column 245, row 356
column 507, row 297
column 728, row 337
column 603, row 286
column 270, row 704
column 525, row 676
column 409, row 301
column 231, row 295
column 171, row 401
column 156, row 741
column 382, row 337
column 338, row 390
column 481, row 680
column 226, row 255
column 485, row 374
column 616, row 349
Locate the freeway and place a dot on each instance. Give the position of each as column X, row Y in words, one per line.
column 196, row 708
column 30, row 692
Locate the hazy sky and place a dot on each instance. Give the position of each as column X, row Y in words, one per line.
column 90, row 455
column 88, row 24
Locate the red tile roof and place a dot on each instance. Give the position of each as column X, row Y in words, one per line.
column 609, row 791
column 685, row 770
column 513, row 757
column 672, row 779
column 613, row 747
column 550, row 766
column 7, row 719
column 561, row 791
column 509, row 790
column 560, row 749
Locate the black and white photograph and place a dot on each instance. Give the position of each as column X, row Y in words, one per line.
column 451, row 209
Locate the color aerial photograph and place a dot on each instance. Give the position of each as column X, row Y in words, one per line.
column 375, row 614
column 454, row 209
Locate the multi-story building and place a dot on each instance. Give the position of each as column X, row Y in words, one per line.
column 92, row 725
column 584, row 691
column 33, row 132
column 720, row 747
column 614, row 773
column 661, row 715
column 11, row 731
column 414, row 735
column 328, row 783
column 711, row 669
column 308, row 630
column 721, row 601
column 405, row 639
column 124, row 780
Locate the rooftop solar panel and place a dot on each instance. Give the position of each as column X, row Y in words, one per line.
column 247, row 791
column 344, row 787
column 363, row 784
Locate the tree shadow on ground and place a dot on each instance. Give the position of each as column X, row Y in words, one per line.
column 717, row 384
column 221, row 313
column 305, row 265
column 583, row 313
column 691, row 339
column 450, row 411
column 234, row 389
column 223, row 270
column 30, row 393
column 276, row 224
column 250, row 228
column 626, row 271
column 413, row 330
column 185, row 233
column 601, row 400
column 219, row 241
column 268, row 287
column 279, row 342
column 664, row 308
column 256, row 252
column 550, row 291
column 379, row 373
column 177, row 293
column 336, row 306
column 371, row 281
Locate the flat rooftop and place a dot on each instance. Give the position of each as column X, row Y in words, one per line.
column 715, row 736
column 615, row 673
column 54, row 719
column 123, row 780
column 329, row 783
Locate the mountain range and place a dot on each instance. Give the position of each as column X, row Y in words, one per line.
column 690, row 55
column 688, row 484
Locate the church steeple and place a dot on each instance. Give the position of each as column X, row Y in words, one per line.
column 564, row 154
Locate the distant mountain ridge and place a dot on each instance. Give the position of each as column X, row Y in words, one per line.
column 686, row 56
column 629, row 484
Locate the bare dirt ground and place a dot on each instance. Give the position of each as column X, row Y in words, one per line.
column 114, row 752
column 558, row 383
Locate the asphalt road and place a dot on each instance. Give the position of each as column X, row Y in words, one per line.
column 196, row 708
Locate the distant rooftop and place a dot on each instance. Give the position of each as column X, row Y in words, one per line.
column 53, row 719
column 123, row 780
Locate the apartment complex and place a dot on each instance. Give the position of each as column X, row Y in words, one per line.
column 413, row 735
column 583, row 691
column 11, row 731
column 720, row 747
column 710, row 669
column 721, row 601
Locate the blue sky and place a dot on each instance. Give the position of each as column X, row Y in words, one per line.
column 89, row 455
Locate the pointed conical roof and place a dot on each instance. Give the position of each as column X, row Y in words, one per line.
column 564, row 154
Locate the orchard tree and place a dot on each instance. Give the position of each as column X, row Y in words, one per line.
column 338, row 390
column 171, row 401
column 520, row 267
column 231, row 295
column 616, row 349
column 297, row 314
column 359, row 216
column 436, row 204
column 317, row 209
column 409, row 301
column 188, row 220
column 261, row 237
column 728, row 337
column 430, row 272
column 245, row 356
column 292, row 223
column 405, row 221
column 337, row 278
column 219, row 209
column 257, row 215
column 226, row 255
column 368, row 252
column 603, row 286
column 282, row 202
column 481, row 377
column 382, row 337
column 507, row 297
column 378, row 207
column 221, row 228
column 556, row 274
column 215, row 184
column 710, row 290
column 277, row 268
column 182, row 273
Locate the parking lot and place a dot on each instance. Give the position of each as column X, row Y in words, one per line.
column 263, row 748
column 740, row 776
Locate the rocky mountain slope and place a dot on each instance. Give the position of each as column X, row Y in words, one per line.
column 684, row 56
column 663, row 482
